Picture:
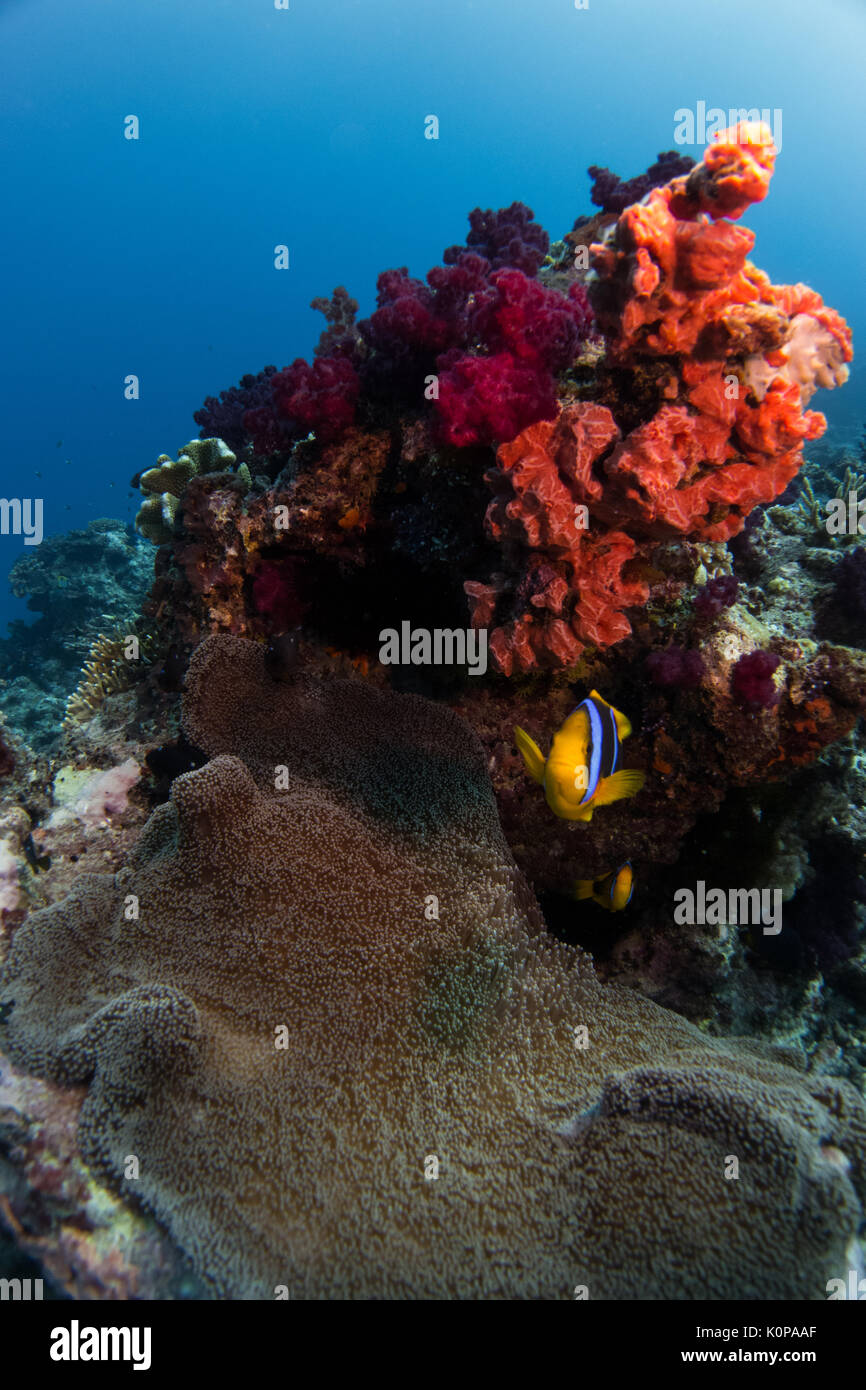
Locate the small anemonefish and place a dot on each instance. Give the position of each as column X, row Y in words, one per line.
column 580, row 773
column 612, row 892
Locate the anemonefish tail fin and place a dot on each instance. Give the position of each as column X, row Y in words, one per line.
column 614, row 788
column 623, row 724
column 531, row 754
column 583, row 889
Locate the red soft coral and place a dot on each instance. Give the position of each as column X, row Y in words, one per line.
column 320, row 396
column 485, row 399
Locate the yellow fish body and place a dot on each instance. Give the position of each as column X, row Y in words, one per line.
column 613, row 892
column 580, row 772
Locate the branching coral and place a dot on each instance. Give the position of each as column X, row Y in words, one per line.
column 108, row 669
column 334, row 999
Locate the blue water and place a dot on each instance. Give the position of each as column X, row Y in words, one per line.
column 261, row 126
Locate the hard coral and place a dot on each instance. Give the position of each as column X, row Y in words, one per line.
column 165, row 484
column 303, row 957
column 109, row 667
column 233, row 569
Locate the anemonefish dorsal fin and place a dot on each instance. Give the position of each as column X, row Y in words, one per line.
column 623, row 724
column 614, row 788
column 531, row 754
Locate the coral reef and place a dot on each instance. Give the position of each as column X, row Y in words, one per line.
column 716, row 352
column 81, row 584
column 329, row 933
column 315, row 983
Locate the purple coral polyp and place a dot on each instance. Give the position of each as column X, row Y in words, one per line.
column 675, row 669
column 509, row 237
column 752, row 680
column 716, row 595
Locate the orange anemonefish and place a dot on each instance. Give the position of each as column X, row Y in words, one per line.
column 612, row 892
column 580, row 773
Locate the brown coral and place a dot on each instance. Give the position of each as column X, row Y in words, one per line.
column 320, row 1009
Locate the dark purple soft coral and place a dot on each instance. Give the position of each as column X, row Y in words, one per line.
column 849, row 594
column 716, row 595
column 508, row 237
column 752, row 680
column 222, row 417
column 613, row 194
column 675, row 669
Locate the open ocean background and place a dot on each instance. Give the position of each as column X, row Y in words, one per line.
column 306, row 127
